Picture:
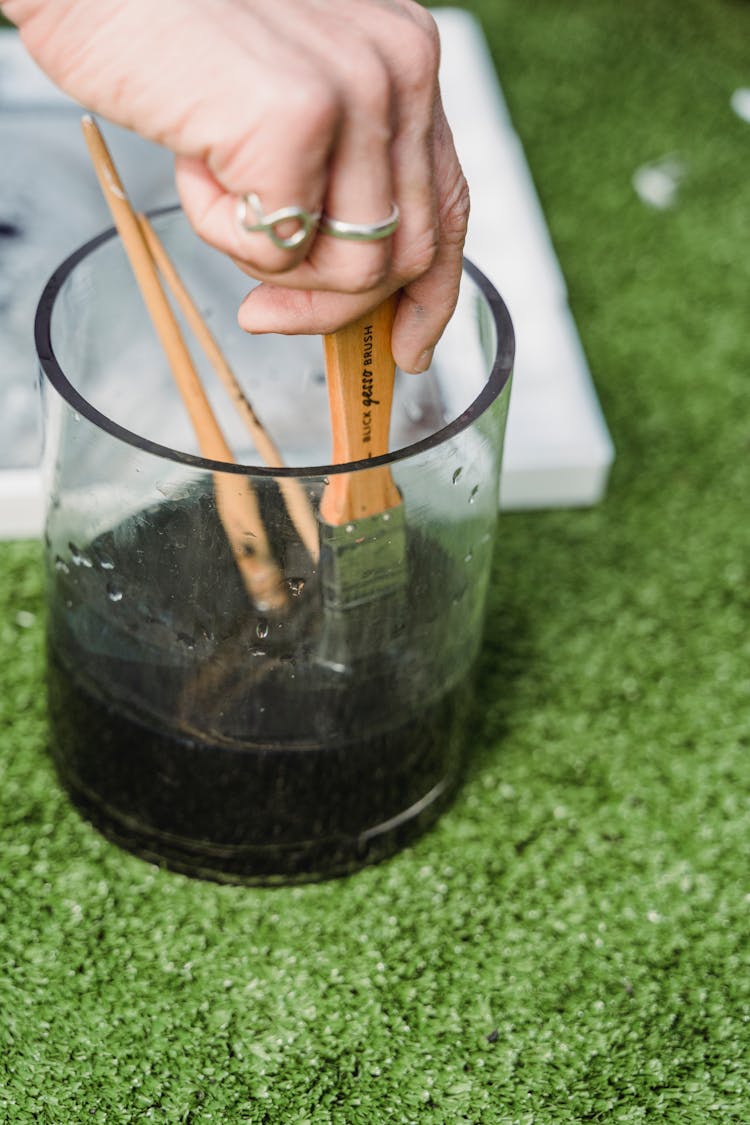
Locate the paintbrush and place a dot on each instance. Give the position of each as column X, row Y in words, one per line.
column 297, row 502
column 236, row 503
column 363, row 556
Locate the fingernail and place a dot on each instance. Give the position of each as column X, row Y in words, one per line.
column 424, row 361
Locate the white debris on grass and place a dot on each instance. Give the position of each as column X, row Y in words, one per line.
column 657, row 184
column 740, row 102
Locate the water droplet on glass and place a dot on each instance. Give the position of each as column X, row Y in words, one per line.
column 296, row 586
column 413, row 411
column 186, row 640
column 161, row 489
column 78, row 557
column 76, row 416
column 114, row 593
column 326, row 480
column 473, row 493
column 262, row 629
column 468, row 556
column 456, row 475
column 61, row 565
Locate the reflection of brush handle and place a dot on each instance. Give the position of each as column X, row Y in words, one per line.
column 360, row 372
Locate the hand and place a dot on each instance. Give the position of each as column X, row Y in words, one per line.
column 330, row 105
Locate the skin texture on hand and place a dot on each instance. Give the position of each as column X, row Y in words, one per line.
column 331, row 105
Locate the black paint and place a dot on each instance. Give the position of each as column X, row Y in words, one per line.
column 249, row 760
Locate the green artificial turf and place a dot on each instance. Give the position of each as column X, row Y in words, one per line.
column 570, row 943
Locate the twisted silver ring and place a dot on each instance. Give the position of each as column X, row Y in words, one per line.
column 308, row 221
column 361, row 232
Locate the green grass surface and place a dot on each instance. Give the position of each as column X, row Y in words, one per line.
column 570, row 944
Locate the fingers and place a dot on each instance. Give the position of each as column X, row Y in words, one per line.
column 342, row 165
column 427, row 300
column 328, row 107
column 427, row 183
column 359, row 181
column 274, row 308
column 360, row 190
column 282, row 157
column 374, row 109
column 408, row 39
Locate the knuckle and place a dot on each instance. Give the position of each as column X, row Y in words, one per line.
column 256, row 255
column 424, row 254
column 425, row 21
column 305, row 112
column 201, row 220
column 363, row 276
column 419, row 48
column 455, row 207
column 424, row 61
column 372, row 82
column 351, row 267
column 313, row 105
column 417, row 257
column 267, row 262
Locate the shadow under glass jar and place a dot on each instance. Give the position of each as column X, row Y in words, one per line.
column 191, row 722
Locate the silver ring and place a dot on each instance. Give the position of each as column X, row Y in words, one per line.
column 308, row 221
column 361, row 232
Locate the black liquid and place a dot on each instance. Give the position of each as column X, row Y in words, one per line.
column 195, row 732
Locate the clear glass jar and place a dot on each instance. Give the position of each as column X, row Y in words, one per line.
column 192, row 720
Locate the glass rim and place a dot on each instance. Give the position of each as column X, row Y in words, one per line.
column 497, row 380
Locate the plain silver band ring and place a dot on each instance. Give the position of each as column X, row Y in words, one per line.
column 308, row 221
column 361, row 232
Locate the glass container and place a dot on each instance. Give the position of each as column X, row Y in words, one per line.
column 194, row 718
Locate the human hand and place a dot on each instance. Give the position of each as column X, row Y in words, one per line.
column 331, row 106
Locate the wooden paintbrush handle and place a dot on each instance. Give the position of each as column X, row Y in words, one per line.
column 296, row 499
column 236, row 502
column 360, row 372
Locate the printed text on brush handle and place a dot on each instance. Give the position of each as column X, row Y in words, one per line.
column 369, row 377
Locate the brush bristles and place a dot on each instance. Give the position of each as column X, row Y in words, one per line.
column 364, row 578
column 363, row 561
